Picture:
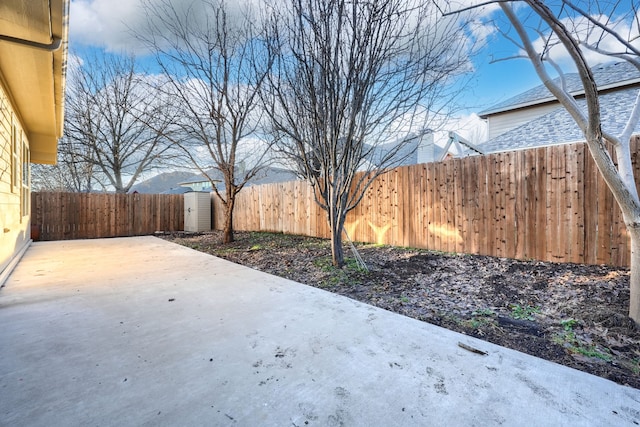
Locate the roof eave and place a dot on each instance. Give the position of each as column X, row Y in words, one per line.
column 618, row 85
column 33, row 65
column 44, row 147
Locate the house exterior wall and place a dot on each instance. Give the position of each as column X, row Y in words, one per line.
column 197, row 186
column 14, row 182
column 503, row 122
column 426, row 151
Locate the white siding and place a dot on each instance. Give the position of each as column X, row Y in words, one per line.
column 426, row 149
column 15, row 230
column 504, row 122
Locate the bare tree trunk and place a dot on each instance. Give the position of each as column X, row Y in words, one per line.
column 619, row 179
column 227, row 230
column 634, row 279
column 627, row 199
column 336, row 222
column 214, row 66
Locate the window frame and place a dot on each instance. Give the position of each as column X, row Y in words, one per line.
column 25, row 192
column 15, row 157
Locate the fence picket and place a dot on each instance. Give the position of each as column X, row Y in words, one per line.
column 62, row 216
column 547, row 203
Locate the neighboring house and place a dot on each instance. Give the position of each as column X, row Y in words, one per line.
column 200, row 183
column 455, row 146
column 407, row 154
column 177, row 190
column 421, row 148
column 266, row 175
column 175, row 182
column 33, row 53
column 432, row 147
column 182, row 182
column 161, row 183
column 535, row 118
column 270, row 175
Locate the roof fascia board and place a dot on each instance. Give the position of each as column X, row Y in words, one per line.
column 551, row 99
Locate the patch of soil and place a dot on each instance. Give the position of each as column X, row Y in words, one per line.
column 571, row 314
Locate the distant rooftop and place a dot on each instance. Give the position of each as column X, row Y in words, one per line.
column 609, row 75
column 558, row 127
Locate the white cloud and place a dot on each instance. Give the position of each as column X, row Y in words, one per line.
column 103, row 24
column 74, row 62
column 479, row 17
column 468, row 6
column 586, row 32
column 111, row 25
column 481, row 30
column 470, row 127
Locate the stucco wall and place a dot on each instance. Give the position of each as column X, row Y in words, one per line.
column 14, row 216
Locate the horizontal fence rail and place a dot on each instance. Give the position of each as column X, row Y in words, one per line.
column 63, row 216
column 549, row 204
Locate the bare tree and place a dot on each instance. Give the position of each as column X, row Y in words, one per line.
column 609, row 29
column 215, row 65
column 64, row 176
column 354, row 82
column 113, row 125
column 71, row 172
column 81, row 176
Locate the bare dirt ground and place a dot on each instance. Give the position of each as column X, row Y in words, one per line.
column 571, row 314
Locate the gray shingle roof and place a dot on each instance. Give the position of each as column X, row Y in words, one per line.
column 406, row 155
column 270, row 175
column 558, row 127
column 606, row 75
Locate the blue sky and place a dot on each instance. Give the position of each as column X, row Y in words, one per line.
column 97, row 25
column 495, row 82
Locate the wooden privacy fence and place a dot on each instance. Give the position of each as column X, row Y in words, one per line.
column 547, row 204
column 62, row 216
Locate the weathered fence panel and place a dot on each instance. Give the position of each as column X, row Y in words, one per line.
column 63, row 216
column 547, row 203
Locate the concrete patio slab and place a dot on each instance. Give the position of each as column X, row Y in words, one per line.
column 139, row 331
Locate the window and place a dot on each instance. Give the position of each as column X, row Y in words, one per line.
column 15, row 159
column 25, row 205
